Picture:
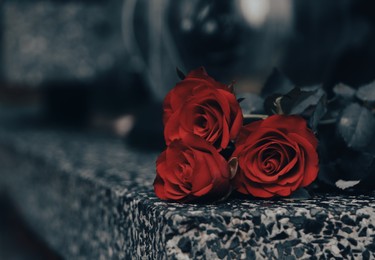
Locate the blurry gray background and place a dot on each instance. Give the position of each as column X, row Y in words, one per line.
column 48, row 41
column 93, row 62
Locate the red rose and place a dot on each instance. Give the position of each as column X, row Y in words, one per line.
column 276, row 156
column 190, row 169
column 202, row 106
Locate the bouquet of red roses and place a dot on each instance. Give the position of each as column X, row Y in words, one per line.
column 213, row 150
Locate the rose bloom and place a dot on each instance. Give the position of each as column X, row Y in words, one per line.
column 202, row 106
column 276, row 156
column 190, row 169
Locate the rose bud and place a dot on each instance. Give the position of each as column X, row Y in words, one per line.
column 191, row 169
column 276, row 156
column 202, row 106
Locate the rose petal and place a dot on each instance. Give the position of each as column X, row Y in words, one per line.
column 199, row 180
column 203, row 191
column 224, row 99
column 287, row 124
column 162, row 169
column 279, row 190
column 225, row 135
column 292, row 178
column 201, row 73
column 247, row 130
column 159, row 188
column 173, row 191
column 311, row 163
column 288, row 167
column 258, row 191
column 276, row 156
column 172, row 129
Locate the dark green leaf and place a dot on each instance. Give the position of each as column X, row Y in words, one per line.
column 339, row 162
column 272, row 104
column 328, row 174
column 180, row 74
column 312, row 87
column 357, row 127
column 348, row 165
column 343, row 184
column 301, row 101
column 295, row 102
column 311, row 104
column 344, row 96
column 354, row 165
column 344, row 91
column 277, row 82
column 251, row 103
column 288, row 101
column 300, row 194
column 318, row 113
column 367, row 93
column 239, row 100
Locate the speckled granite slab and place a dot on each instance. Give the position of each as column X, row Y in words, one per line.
column 90, row 197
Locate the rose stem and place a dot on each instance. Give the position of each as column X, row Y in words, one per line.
column 248, row 116
column 261, row 116
column 328, row 121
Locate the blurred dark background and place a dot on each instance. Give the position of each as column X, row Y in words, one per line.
column 105, row 65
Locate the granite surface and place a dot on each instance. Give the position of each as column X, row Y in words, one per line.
column 90, row 197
